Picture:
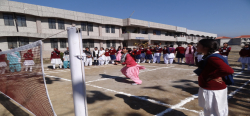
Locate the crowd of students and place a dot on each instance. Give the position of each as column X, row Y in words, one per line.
column 212, row 62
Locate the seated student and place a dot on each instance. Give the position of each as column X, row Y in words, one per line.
column 180, row 53
column 131, row 70
column 28, row 60
column 66, row 61
column 149, row 53
column 138, row 55
column 14, row 60
column 3, row 64
column 88, row 61
column 212, row 94
column 96, row 56
column 55, row 58
column 101, row 56
column 107, row 56
column 245, row 57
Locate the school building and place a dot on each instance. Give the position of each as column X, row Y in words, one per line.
column 22, row 23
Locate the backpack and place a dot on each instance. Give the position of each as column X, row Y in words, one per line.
column 228, row 79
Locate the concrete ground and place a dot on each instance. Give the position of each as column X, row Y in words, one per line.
column 166, row 90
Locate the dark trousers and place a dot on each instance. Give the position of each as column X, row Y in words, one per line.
column 196, row 61
column 96, row 62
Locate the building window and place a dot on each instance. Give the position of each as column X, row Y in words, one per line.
column 144, row 31
column 156, row 32
column 23, row 41
column 63, row 43
column 113, row 43
column 112, row 29
column 108, row 43
column 84, row 26
column 60, row 24
column 88, row 43
column 52, row 23
column 90, row 27
column 54, row 43
column 21, row 21
column 107, row 28
column 12, row 42
column 8, row 19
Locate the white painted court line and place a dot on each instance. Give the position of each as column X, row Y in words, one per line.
column 179, row 105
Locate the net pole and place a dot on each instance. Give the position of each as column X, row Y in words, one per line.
column 77, row 71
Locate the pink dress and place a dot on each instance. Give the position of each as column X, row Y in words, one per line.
column 131, row 70
column 119, row 55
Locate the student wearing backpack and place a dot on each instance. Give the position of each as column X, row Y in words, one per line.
column 213, row 76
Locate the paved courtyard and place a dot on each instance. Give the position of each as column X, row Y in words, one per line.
column 166, row 90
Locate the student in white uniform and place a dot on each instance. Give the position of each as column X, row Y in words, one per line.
column 101, row 56
column 88, row 61
column 96, row 56
column 107, row 56
column 157, row 54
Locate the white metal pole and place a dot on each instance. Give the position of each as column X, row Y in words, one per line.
column 77, row 71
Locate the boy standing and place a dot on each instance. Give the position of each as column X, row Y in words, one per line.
column 66, row 61
column 88, row 61
column 96, row 56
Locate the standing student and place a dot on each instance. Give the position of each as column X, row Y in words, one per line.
column 101, row 56
column 157, row 54
column 138, row 55
column 245, row 57
column 131, row 70
column 170, row 54
column 224, row 51
column 55, row 58
column 28, row 60
column 142, row 54
column 133, row 53
column 3, row 64
column 112, row 52
column 88, row 61
column 119, row 54
column 149, row 56
column 66, row 61
column 107, row 56
column 14, row 60
column 164, row 50
column 212, row 94
column 96, row 56
column 180, row 53
column 189, row 54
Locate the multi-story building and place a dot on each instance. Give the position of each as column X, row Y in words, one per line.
column 22, row 23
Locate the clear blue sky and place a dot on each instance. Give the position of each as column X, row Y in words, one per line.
column 223, row 17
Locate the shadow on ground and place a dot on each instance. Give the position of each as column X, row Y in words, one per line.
column 189, row 86
column 116, row 78
column 11, row 107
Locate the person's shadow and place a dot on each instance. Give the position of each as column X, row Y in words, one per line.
column 149, row 107
column 117, row 78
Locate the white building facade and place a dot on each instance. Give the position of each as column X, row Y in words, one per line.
column 22, row 23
